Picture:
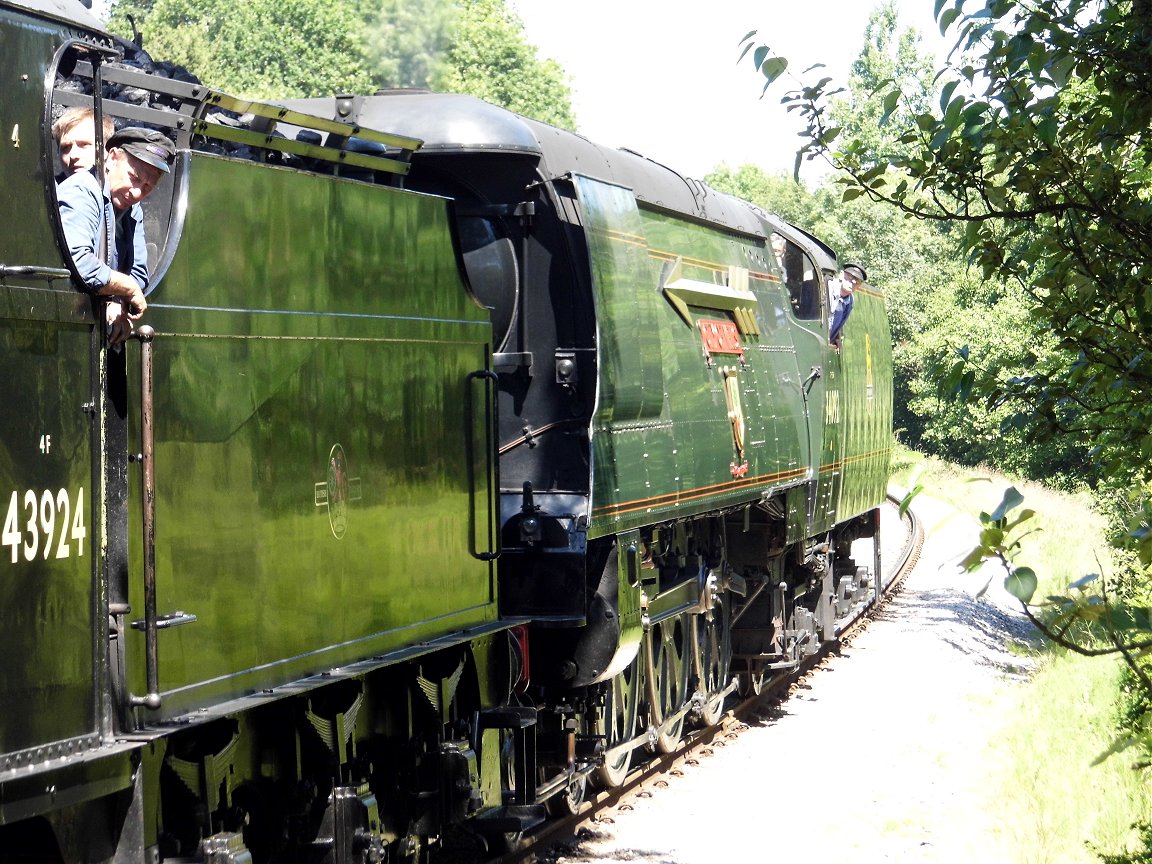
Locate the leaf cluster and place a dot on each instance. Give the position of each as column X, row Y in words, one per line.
column 270, row 49
column 1143, row 855
column 1084, row 618
column 489, row 58
column 1037, row 150
column 259, row 49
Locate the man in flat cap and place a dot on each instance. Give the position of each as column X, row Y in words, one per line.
column 852, row 276
column 104, row 223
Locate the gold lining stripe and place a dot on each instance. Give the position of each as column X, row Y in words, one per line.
column 672, row 498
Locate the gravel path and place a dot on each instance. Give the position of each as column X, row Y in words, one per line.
column 882, row 754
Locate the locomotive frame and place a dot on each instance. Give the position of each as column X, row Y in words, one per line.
column 475, row 461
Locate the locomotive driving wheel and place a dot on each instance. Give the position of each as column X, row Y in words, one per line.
column 617, row 724
column 669, row 687
column 713, row 660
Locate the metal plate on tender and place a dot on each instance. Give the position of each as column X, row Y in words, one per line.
column 720, row 337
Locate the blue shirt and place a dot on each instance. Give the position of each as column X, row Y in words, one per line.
column 82, row 202
column 839, row 316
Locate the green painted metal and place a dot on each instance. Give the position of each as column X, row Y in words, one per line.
column 685, row 460
column 312, row 358
column 815, row 422
column 632, row 383
column 866, row 394
column 631, row 579
column 49, row 542
column 27, row 46
column 855, row 404
column 809, row 504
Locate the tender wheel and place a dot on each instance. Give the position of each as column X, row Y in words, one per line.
column 618, row 724
column 568, row 802
column 671, row 681
column 752, row 681
column 508, row 842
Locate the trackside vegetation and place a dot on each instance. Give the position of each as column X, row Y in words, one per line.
column 1027, row 157
column 1061, row 795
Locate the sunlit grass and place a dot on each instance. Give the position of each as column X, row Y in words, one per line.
column 1062, row 543
column 1057, row 804
column 1056, row 807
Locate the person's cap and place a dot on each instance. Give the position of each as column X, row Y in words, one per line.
column 856, row 272
column 147, row 145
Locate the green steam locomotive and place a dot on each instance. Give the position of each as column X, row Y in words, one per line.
column 458, row 467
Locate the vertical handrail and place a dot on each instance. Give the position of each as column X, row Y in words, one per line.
column 98, row 114
column 877, row 557
column 492, row 466
column 148, row 486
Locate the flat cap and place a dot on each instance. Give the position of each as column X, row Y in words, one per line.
column 147, row 145
column 856, row 272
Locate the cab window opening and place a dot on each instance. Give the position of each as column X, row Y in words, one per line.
column 801, row 278
column 76, row 131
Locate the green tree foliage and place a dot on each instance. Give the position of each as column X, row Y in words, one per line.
column 407, row 42
column 268, row 49
column 1038, row 151
column 889, row 57
column 490, row 58
column 938, row 305
column 257, row 49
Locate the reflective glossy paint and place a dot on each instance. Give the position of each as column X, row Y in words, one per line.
column 310, row 375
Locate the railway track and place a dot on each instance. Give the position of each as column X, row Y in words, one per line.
column 905, row 562
column 559, row 835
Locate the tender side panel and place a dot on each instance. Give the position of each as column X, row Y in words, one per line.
column 316, row 432
column 27, row 49
column 49, row 675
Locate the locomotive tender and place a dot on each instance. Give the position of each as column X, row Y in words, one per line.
column 459, row 466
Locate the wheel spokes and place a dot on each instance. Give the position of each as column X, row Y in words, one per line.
column 618, row 725
column 671, row 685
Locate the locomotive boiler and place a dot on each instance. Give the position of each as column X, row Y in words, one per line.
column 459, row 466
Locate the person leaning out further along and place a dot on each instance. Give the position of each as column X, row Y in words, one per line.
column 850, row 279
